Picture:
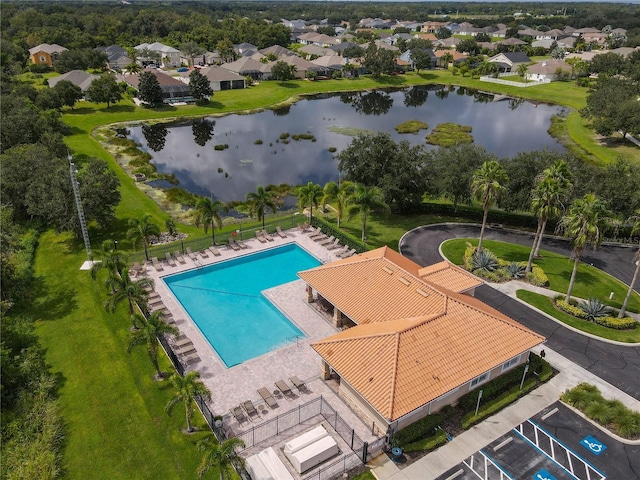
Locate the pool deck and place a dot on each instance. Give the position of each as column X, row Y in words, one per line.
column 232, row 386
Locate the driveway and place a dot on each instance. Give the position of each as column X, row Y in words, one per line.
column 618, row 365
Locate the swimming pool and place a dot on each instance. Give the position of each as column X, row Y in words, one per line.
column 225, row 301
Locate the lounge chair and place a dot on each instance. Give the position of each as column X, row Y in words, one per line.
column 267, row 235
column 156, row 264
column 186, row 350
column 155, row 302
column 191, row 255
column 191, row 358
column 249, row 408
column 214, row 251
column 241, row 244
column 283, row 387
column 280, row 233
column 348, row 253
column 233, row 245
column 314, row 232
column 333, row 245
column 203, row 253
column 182, row 341
column 238, row 414
column 170, row 261
column 303, row 227
column 327, row 240
column 341, row 251
column 137, row 268
column 179, row 257
column 260, row 237
column 299, row 384
column 266, row 396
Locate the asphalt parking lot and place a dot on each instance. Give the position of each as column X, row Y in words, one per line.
column 555, row 444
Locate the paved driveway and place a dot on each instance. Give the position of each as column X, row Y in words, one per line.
column 618, row 365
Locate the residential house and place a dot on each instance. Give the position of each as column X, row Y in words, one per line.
column 315, row 50
column 169, row 56
column 457, row 57
column 393, row 39
column 79, row 78
column 375, row 23
column 302, row 66
column 433, row 27
column 406, row 57
column 412, row 341
column 564, row 42
column 511, row 42
column 450, row 42
column 223, row 79
column 245, row 49
column 45, row 54
column 509, row 61
column 550, row 70
column 595, row 38
column 319, row 39
column 117, row 57
column 330, row 62
column 426, row 36
column 277, row 50
column 247, row 67
column 173, row 90
column 294, row 24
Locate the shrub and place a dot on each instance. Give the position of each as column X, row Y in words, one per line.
column 514, row 270
column 570, row 309
column 258, row 142
column 626, row 323
column 411, row 126
column 484, row 260
column 221, row 146
column 599, row 411
column 427, row 444
column 627, row 425
column 181, row 196
column 420, row 429
column 594, row 308
column 537, row 277
column 332, row 149
column 284, row 136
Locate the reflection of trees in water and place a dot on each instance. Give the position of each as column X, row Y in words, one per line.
column 515, row 103
column 281, row 111
column 461, row 91
column 480, row 97
column 370, row 103
column 442, row 93
column 202, row 130
column 416, row 96
column 155, row 135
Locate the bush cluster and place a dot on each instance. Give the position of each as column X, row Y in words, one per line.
column 422, row 428
column 527, row 220
column 570, row 309
column 626, row 323
column 303, row 136
column 341, row 235
column 493, row 269
column 427, row 444
column 221, row 146
column 611, row 414
column 537, row 277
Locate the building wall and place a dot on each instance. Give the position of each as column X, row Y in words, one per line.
column 42, row 58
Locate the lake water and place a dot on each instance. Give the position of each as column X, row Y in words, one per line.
column 256, row 155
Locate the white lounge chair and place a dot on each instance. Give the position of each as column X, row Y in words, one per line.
column 333, row 245
column 267, row 235
column 348, row 254
column 170, row 261
column 260, row 237
column 233, row 244
column 179, row 257
column 214, row 251
column 191, row 255
column 156, row 264
column 280, row 233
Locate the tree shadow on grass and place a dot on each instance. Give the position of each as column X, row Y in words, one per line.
column 289, row 85
column 118, row 109
column 427, row 76
column 391, row 80
column 53, row 304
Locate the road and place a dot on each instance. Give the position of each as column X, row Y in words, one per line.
column 617, row 365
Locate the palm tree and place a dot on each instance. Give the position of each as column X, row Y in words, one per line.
column 583, row 225
column 207, row 214
column 259, row 201
column 364, row 201
column 140, row 229
column 309, row 195
column 132, row 68
column 487, row 185
column 446, row 59
column 339, row 194
column 279, row 192
column 560, row 173
column 548, row 200
column 133, row 291
column 112, row 260
column 187, row 389
column 635, row 220
column 221, row 455
column 152, row 326
column 523, row 69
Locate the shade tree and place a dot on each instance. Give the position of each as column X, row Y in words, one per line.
column 104, row 90
column 208, row 215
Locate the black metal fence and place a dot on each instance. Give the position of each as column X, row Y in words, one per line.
column 328, row 472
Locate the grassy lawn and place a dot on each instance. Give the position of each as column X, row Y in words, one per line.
column 114, row 411
column 544, row 303
column 590, row 281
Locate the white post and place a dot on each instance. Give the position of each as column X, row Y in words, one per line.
column 524, row 374
column 478, row 404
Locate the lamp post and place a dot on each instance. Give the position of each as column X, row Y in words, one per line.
column 115, row 244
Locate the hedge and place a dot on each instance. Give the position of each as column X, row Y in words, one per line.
column 537, row 277
column 344, row 237
column 527, row 220
column 427, row 444
column 626, row 323
column 420, row 429
column 570, row 309
column 497, row 404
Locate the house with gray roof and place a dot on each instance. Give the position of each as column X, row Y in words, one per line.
column 117, row 57
column 173, row 90
column 509, row 61
column 223, row 79
column 169, row 56
column 45, row 54
column 246, row 66
column 79, row 78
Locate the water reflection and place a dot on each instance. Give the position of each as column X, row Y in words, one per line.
column 257, row 154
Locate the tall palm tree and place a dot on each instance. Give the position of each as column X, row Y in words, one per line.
column 140, row 229
column 309, row 195
column 207, row 215
column 259, row 201
column 446, row 59
column 549, row 196
column 338, row 194
column 187, row 389
column 583, row 225
column 133, row 291
column 364, row 201
column 221, row 455
column 151, row 327
column 635, row 220
column 523, row 70
column 558, row 172
column 487, row 184
column 112, row 260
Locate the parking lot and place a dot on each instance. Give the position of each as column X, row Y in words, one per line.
column 555, row 444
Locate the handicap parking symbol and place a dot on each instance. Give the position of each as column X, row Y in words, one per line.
column 594, row 446
column 543, row 475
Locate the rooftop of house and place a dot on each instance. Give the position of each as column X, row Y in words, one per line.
column 45, row 47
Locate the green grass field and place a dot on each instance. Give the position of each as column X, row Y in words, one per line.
column 544, row 303
column 590, row 281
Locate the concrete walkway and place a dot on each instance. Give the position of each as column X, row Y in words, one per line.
column 461, row 447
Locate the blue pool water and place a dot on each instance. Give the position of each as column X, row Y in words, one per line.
column 225, row 301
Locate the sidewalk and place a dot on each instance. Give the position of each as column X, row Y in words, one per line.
column 461, row 447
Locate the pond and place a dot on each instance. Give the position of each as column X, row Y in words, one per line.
column 226, row 157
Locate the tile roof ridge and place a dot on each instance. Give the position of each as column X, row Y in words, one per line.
column 421, row 320
column 394, row 375
column 348, row 339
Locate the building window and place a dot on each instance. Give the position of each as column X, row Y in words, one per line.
column 479, row 380
column 511, row 363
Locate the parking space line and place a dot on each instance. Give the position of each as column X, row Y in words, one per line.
column 570, row 454
column 455, row 475
column 502, row 444
column 548, row 414
column 488, row 462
